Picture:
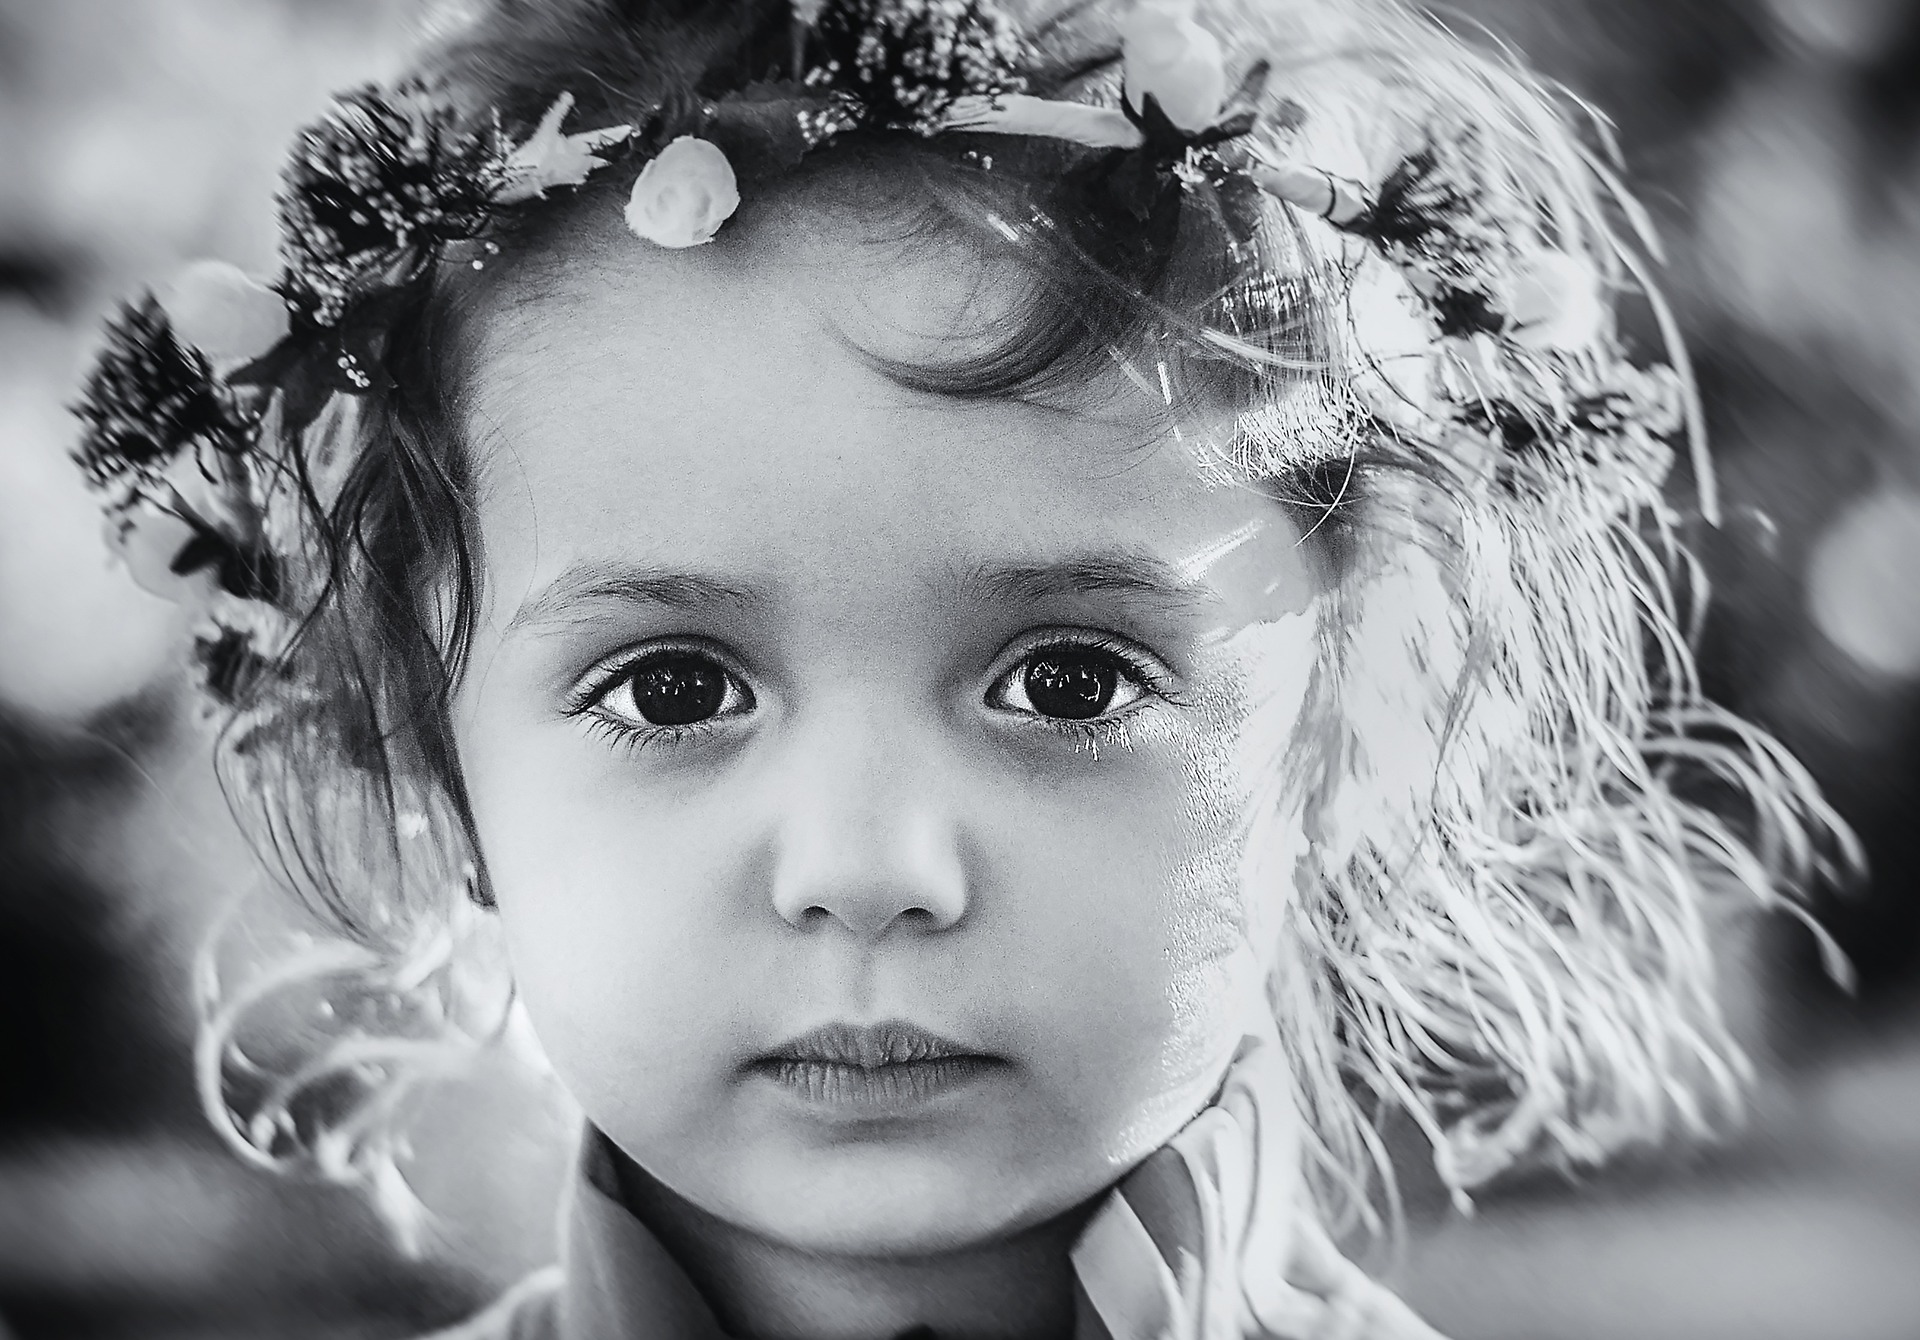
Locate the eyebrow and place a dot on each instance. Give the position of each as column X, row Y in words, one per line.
column 575, row 593
column 588, row 584
column 1126, row 573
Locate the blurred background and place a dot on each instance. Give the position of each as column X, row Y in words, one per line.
column 1777, row 142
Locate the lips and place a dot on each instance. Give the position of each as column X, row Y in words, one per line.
column 873, row 1067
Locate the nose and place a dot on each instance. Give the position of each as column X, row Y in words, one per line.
column 867, row 848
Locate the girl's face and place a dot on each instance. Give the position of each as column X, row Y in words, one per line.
column 860, row 772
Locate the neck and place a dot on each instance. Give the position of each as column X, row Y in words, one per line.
column 1021, row 1288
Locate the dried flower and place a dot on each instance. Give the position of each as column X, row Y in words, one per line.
column 372, row 189
column 683, row 194
column 1434, row 211
column 1169, row 57
column 148, row 399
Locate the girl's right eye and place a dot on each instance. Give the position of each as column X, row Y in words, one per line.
column 669, row 689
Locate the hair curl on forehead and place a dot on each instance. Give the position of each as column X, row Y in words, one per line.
column 1524, row 813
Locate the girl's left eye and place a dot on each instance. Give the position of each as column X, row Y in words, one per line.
column 671, row 689
column 1069, row 681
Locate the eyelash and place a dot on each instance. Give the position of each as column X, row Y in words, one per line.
column 633, row 739
column 1091, row 735
column 604, row 678
column 1101, row 732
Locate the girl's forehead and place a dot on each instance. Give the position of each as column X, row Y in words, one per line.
column 721, row 409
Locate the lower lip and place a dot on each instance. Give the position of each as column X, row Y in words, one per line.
column 901, row 1086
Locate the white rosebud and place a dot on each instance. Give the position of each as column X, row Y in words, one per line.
column 1554, row 301
column 1167, row 53
column 147, row 539
column 684, row 194
column 226, row 315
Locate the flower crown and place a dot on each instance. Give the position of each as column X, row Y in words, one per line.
column 195, row 384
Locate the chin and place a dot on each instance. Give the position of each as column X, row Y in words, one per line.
column 881, row 1202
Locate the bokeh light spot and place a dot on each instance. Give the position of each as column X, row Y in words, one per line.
column 1863, row 586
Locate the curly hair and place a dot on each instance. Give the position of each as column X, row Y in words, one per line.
column 1521, row 807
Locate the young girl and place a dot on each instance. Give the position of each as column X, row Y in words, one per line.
column 1023, row 619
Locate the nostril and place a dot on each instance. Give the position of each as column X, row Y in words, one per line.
column 869, row 915
column 916, row 919
column 883, row 868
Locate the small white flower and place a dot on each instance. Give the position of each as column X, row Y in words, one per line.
column 1168, row 54
column 219, row 310
column 684, row 194
column 1554, row 301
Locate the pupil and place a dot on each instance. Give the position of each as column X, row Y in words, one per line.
column 678, row 690
column 1074, row 687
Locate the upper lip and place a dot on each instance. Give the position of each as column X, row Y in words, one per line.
column 869, row 1046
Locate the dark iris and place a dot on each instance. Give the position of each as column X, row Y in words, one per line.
column 678, row 690
column 1070, row 684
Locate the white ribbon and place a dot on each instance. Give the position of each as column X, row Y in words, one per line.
column 1021, row 114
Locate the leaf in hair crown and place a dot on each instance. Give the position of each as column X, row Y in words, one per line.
column 372, row 189
column 148, row 399
column 906, row 61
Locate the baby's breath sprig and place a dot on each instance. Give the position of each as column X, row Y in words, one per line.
column 904, row 63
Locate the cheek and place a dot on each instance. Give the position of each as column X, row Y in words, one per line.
column 1191, row 879
column 1131, row 935
column 615, row 918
